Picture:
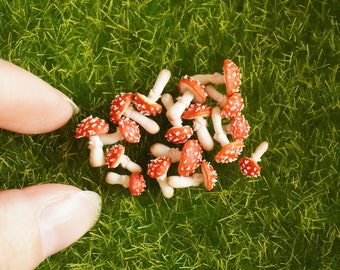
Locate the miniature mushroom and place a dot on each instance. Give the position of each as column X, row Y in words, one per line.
column 230, row 150
column 121, row 105
column 197, row 112
column 158, row 168
column 231, row 105
column 191, row 158
column 127, row 130
column 115, row 157
column 147, row 105
column 238, row 128
column 208, row 175
column 231, row 77
column 250, row 166
column 177, row 134
column 92, row 127
column 191, row 90
column 135, row 182
column 159, row 149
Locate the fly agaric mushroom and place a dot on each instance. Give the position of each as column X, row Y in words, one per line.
column 208, row 175
column 238, row 128
column 191, row 90
column 147, row 105
column 191, row 158
column 127, row 130
column 197, row 112
column 231, row 77
column 115, row 157
column 135, row 182
column 121, row 105
column 231, row 105
column 158, row 168
column 250, row 166
column 159, row 150
column 177, row 134
column 93, row 127
column 230, row 150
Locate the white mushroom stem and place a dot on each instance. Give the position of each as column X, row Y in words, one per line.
column 177, row 181
column 219, row 135
column 117, row 179
column 131, row 166
column 259, row 151
column 203, row 135
column 159, row 150
column 175, row 112
column 167, row 190
column 160, row 83
column 216, row 95
column 97, row 156
column 148, row 124
column 111, row 138
column 168, row 102
column 215, row 78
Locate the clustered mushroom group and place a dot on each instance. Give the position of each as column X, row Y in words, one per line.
column 186, row 142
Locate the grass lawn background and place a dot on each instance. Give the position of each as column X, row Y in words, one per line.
column 289, row 55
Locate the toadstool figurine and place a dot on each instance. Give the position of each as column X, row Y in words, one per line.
column 230, row 150
column 157, row 169
column 238, row 128
column 159, row 149
column 127, row 130
column 115, row 157
column 191, row 90
column 147, row 105
column 135, row 182
column 250, row 166
column 177, row 134
column 121, row 105
column 93, row 127
column 198, row 112
column 191, row 158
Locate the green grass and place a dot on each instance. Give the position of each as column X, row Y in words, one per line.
column 289, row 55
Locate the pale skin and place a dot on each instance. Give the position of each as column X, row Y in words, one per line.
column 38, row 221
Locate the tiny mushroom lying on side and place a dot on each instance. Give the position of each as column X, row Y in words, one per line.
column 127, row 130
column 191, row 158
column 93, row 127
column 238, row 128
column 230, row 150
column 135, row 182
column 116, row 156
column 208, row 175
column 121, row 105
column 157, row 169
column 198, row 112
column 177, row 134
column 159, row 150
column 191, row 90
column 148, row 105
column 250, row 166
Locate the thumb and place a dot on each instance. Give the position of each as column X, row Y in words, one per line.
column 38, row 221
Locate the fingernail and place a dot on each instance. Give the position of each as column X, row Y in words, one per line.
column 65, row 220
column 75, row 108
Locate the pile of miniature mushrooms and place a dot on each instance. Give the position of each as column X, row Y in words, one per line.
column 186, row 142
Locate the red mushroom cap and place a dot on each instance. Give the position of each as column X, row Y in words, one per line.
column 190, row 84
column 191, row 158
column 114, row 155
column 158, row 167
column 210, row 175
column 129, row 129
column 249, row 167
column 146, row 106
column 179, row 134
column 233, row 106
column 119, row 106
column 196, row 110
column 239, row 128
column 229, row 152
column 136, row 184
column 91, row 126
column 232, row 76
